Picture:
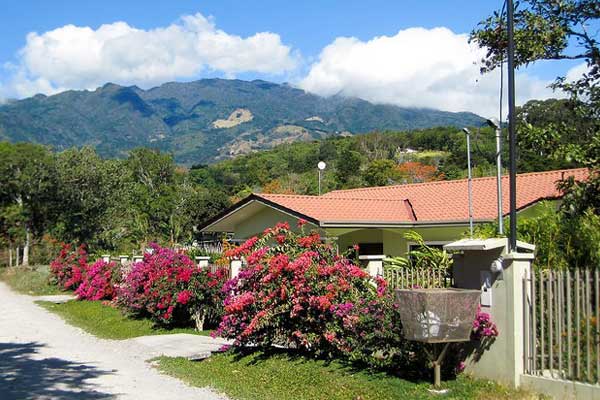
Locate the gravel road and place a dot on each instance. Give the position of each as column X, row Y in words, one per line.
column 42, row 357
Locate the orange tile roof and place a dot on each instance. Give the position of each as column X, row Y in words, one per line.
column 435, row 202
column 345, row 209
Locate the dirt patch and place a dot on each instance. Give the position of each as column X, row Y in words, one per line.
column 239, row 116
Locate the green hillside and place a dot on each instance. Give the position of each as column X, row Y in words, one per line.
column 205, row 120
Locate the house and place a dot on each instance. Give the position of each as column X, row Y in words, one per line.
column 376, row 218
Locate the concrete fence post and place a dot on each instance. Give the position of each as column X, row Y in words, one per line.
column 487, row 265
column 123, row 259
column 374, row 264
column 234, row 267
column 202, row 261
column 106, row 258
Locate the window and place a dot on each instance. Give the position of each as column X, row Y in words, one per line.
column 370, row 249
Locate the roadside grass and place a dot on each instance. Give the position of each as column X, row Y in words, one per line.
column 107, row 322
column 29, row 280
column 258, row 376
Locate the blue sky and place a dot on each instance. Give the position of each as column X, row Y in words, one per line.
column 302, row 29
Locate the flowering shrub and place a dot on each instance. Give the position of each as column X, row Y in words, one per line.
column 296, row 291
column 483, row 327
column 98, row 282
column 170, row 289
column 68, row 268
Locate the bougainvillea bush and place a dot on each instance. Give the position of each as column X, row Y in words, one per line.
column 169, row 288
column 296, row 291
column 69, row 266
column 98, row 281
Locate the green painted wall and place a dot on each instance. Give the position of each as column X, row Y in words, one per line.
column 265, row 218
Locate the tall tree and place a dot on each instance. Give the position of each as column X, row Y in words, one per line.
column 557, row 30
column 28, row 190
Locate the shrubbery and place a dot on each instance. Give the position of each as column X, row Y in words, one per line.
column 98, row 281
column 294, row 291
column 167, row 287
column 298, row 292
column 68, row 267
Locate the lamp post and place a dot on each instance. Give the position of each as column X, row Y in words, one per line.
column 494, row 123
column 320, row 166
column 470, row 180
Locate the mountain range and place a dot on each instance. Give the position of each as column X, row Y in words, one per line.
column 205, row 120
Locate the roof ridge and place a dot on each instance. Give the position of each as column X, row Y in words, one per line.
column 435, row 183
column 326, row 198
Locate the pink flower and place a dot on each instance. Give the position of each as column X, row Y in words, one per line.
column 184, row 296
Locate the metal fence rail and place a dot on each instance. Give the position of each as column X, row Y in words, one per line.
column 410, row 278
column 562, row 325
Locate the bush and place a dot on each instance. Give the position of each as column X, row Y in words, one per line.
column 98, row 282
column 296, row 291
column 68, row 268
column 167, row 287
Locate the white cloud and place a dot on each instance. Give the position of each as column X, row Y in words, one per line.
column 76, row 57
column 433, row 68
column 576, row 72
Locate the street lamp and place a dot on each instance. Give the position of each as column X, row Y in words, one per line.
column 494, row 123
column 321, row 166
column 470, row 180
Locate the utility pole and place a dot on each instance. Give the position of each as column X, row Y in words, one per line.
column 512, row 134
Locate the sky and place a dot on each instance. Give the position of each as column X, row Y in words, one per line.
column 409, row 53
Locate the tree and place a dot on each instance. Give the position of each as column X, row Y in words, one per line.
column 544, row 30
column 88, row 187
column 557, row 30
column 379, row 172
column 28, row 189
column 415, row 172
column 348, row 165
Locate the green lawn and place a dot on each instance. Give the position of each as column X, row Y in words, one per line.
column 32, row 280
column 107, row 322
column 255, row 376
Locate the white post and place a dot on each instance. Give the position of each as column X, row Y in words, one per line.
column 374, row 264
column 123, row 259
column 202, row 261
column 137, row 259
column 235, row 266
column 106, row 258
